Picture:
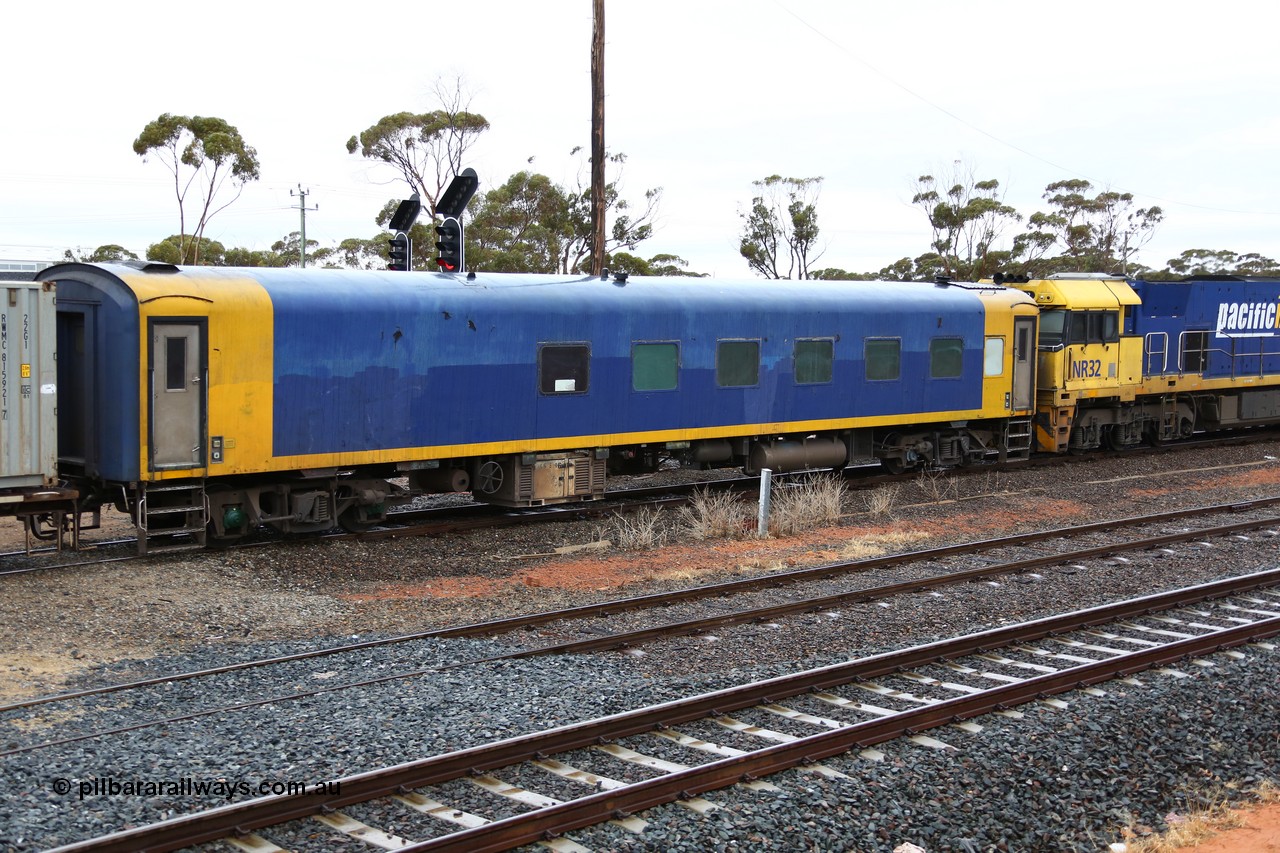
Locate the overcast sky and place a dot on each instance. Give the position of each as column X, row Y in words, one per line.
column 1174, row 102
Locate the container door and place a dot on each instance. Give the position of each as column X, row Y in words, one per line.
column 178, row 368
column 1024, row 374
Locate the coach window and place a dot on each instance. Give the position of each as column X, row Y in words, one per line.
column 654, row 366
column 563, row 368
column 813, row 359
column 945, row 358
column 993, row 357
column 737, row 363
column 883, row 359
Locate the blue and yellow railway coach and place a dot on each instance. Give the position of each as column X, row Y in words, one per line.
column 230, row 398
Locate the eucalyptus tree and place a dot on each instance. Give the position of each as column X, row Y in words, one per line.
column 426, row 149
column 1099, row 233
column 780, row 230
column 204, row 155
column 532, row 224
column 967, row 217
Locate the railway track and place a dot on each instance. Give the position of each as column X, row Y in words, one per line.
column 1054, row 547
column 866, row 702
column 460, row 518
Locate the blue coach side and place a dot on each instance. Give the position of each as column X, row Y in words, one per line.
column 410, row 362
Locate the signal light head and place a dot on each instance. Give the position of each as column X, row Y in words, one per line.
column 449, row 245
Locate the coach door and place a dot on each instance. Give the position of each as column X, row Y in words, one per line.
column 1024, row 355
column 178, row 370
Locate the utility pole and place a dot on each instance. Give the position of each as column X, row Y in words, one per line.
column 302, row 206
column 597, row 139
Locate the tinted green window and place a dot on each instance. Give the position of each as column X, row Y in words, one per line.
column 883, row 359
column 653, row 366
column 563, row 369
column 737, row 363
column 813, row 361
column 944, row 357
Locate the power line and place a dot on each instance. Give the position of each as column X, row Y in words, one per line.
column 997, row 139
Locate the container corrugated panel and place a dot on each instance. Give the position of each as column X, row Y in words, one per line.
column 28, row 384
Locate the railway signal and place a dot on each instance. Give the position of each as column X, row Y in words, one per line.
column 449, row 245
column 399, row 252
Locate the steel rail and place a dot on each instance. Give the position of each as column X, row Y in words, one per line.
column 235, row 818
column 682, row 628
column 552, row 821
column 861, row 596
column 622, row 605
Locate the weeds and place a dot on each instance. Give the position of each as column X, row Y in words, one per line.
column 938, row 486
column 637, row 531
column 1217, row 815
column 809, row 503
column 882, row 500
column 717, row 515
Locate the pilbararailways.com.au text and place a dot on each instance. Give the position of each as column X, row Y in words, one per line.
column 187, row 786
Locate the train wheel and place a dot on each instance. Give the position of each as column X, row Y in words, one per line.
column 353, row 521
column 42, row 526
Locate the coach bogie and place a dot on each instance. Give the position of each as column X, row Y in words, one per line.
column 306, row 506
column 946, row 447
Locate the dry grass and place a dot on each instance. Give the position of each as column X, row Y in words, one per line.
column 640, row 530
column 717, row 515
column 878, row 544
column 809, row 503
column 1190, row 830
column 938, row 486
column 882, row 500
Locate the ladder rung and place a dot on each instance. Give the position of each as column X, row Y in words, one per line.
column 169, row 510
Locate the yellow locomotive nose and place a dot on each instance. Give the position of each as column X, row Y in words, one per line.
column 1089, row 369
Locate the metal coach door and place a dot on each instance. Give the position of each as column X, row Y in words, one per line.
column 1024, row 372
column 178, row 370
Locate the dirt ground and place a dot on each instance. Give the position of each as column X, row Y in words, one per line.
column 1260, row 834
column 58, row 624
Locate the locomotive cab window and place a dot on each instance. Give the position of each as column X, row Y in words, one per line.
column 654, row 367
column 883, row 359
column 1092, row 327
column 813, row 359
column 563, row 368
column 1053, row 323
column 1104, row 327
column 737, row 363
column 945, row 358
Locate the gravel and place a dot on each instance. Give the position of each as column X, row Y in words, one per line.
column 1061, row 779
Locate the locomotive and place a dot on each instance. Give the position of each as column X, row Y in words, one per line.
column 1125, row 361
column 216, row 401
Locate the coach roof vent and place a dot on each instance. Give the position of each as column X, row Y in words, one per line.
column 152, row 266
